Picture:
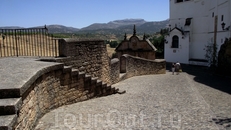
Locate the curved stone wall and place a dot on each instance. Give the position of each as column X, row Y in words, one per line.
column 114, row 71
column 51, row 88
column 135, row 66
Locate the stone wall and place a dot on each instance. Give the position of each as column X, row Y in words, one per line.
column 54, row 89
column 135, row 66
column 136, row 47
column 115, row 70
column 89, row 56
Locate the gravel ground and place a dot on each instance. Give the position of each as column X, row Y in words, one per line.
column 168, row 102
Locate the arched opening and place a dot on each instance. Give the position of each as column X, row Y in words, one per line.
column 175, row 41
column 122, row 64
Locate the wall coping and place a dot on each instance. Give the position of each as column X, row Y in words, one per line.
column 21, row 73
column 27, row 85
column 114, row 60
column 139, row 58
column 80, row 40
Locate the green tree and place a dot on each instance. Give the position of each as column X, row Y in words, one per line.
column 113, row 44
column 158, row 41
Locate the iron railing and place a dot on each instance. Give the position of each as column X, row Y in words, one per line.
column 27, row 42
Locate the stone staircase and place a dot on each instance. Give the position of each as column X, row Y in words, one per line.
column 9, row 108
column 10, row 104
column 92, row 84
column 11, row 101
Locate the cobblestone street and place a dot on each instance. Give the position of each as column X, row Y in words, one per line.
column 186, row 101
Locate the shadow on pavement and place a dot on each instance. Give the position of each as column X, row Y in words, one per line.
column 204, row 76
column 224, row 122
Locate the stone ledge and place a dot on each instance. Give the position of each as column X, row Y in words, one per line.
column 115, row 60
column 7, row 122
column 23, row 72
column 156, row 60
column 39, row 73
column 10, row 106
column 80, row 40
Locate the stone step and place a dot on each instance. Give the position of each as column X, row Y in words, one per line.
column 108, row 86
column 113, row 90
column 81, row 75
column 7, row 122
column 87, row 77
column 67, row 69
column 10, row 93
column 75, row 72
column 108, row 89
column 98, row 87
column 103, row 89
column 10, row 106
column 66, row 75
column 104, row 85
column 94, row 80
column 98, row 82
column 121, row 91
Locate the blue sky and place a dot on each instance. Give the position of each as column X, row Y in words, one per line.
column 79, row 13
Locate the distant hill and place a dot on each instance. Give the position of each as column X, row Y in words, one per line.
column 61, row 29
column 10, row 27
column 126, row 26
column 116, row 27
column 51, row 28
column 114, row 24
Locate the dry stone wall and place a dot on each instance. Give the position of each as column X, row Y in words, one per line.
column 88, row 56
column 57, row 88
column 76, row 79
column 91, row 56
column 135, row 66
column 115, row 70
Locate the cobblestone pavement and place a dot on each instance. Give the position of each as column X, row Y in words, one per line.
column 167, row 102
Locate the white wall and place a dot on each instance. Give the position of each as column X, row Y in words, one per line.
column 180, row 54
column 201, row 28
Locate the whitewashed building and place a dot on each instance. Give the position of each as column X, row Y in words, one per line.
column 193, row 25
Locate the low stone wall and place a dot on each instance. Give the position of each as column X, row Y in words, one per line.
column 56, row 88
column 135, row 66
column 115, row 70
column 89, row 56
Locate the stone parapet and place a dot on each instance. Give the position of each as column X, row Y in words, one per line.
column 114, row 70
column 44, row 88
column 89, row 56
column 135, row 66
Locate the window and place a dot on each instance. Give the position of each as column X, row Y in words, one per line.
column 213, row 14
column 175, row 41
column 188, row 21
column 222, row 17
column 178, row 1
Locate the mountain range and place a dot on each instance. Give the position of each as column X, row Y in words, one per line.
column 112, row 27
